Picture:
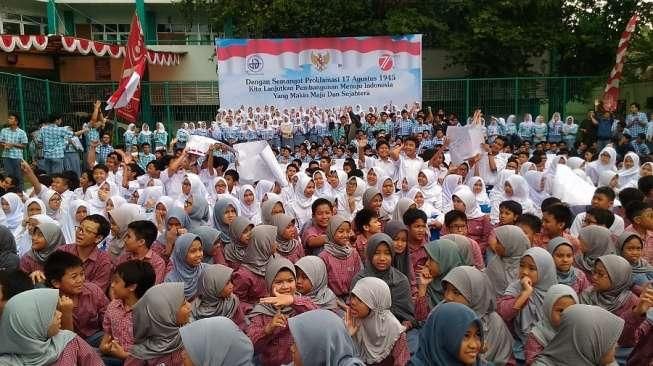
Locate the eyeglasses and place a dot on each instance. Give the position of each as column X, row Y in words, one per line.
column 84, row 231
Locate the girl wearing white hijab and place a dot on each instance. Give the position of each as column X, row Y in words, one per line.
column 451, row 182
column 587, row 337
column 249, row 205
column 160, row 137
column 577, row 165
column 516, row 189
column 338, row 182
column 416, row 195
column 607, row 162
column 378, row 336
column 558, row 298
column 145, row 135
column 479, row 227
column 13, row 207
column 387, row 188
column 304, row 196
column 322, row 189
column 129, row 137
column 608, row 178
column 537, row 186
column 526, row 167
column 498, row 194
column 33, row 206
column 428, row 182
column 477, row 186
column 629, row 173
column 352, row 200
column 76, row 212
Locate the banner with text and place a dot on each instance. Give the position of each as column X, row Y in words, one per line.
column 325, row 72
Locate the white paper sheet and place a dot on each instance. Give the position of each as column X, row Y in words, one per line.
column 256, row 161
column 464, row 142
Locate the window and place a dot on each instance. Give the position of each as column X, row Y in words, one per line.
column 188, row 33
column 110, row 33
column 12, row 23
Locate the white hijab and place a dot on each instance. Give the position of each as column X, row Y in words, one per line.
column 595, row 168
column 251, row 210
column 627, row 176
column 70, row 220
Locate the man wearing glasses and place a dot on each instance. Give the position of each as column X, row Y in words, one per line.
column 92, row 230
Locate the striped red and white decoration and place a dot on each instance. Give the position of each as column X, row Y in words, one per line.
column 611, row 91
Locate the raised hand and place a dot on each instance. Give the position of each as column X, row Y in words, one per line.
column 65, row 304
column 425, row 277
column 645, row 301
column 351, row 323
column 526, row 284
column 37, row 277
column 278, row 321
column 278, row 300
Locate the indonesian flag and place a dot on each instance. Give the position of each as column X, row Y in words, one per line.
column 611, row 91
column 126, row 100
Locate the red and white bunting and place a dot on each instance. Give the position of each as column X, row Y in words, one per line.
column 611, row 91
column 9, row 43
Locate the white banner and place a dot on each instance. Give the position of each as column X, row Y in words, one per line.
column 325, row 72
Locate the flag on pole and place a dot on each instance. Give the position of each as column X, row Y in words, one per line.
column 126, row 100
column 611, row 91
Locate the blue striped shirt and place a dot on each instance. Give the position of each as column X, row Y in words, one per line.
column 101, row 153
column 17, row 136
column 405, row 127
column 54, row 139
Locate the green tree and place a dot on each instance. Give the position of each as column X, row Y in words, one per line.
column 487, row 37
column 591, row 32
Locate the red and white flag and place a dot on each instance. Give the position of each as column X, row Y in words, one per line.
column 126, row 100
column 611, row 91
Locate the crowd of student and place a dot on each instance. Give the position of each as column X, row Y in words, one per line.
column 396, row 257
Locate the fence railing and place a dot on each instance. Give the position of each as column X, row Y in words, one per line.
column 176, row 102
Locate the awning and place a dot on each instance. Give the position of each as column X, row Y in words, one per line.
column 57, row 44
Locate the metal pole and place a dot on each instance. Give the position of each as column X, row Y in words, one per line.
column 516, row 96
column 21, row 103
column 565, row 95
column 166, row 96
column 52, row 17
column 140, row 10
column 467, row 82
column 48, row 100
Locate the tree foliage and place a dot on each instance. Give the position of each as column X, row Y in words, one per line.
column 487, row 37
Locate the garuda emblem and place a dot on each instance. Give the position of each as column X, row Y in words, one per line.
column 320, row 60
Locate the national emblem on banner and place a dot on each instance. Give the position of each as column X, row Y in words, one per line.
column 320, row 60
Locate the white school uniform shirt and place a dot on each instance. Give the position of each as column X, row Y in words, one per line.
column 409, row 168
column 388, row 166
column 616, row 229
column 172, row 183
